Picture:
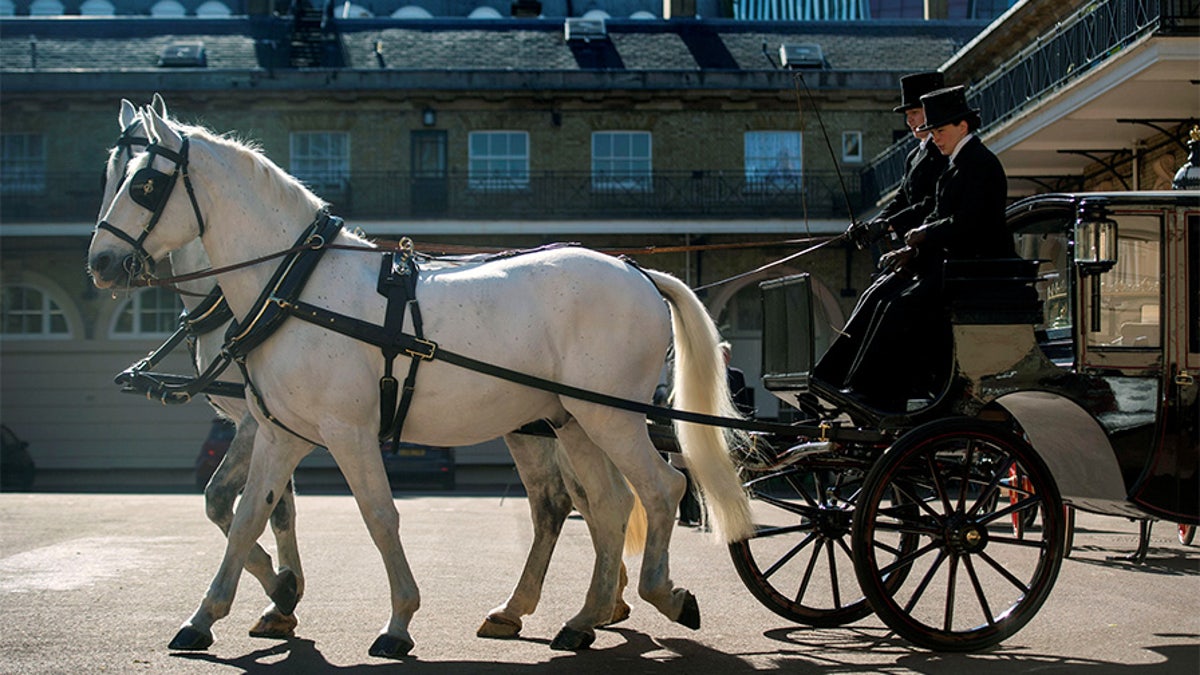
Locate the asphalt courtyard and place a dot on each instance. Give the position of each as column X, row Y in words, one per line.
column 95, row 583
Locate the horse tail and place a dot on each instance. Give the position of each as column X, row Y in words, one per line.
column 701, row 386
column 635, row 529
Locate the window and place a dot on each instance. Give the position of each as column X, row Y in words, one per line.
column 621, row 161
column 45, row 8
column 22, row 163
column 852, row 148
column 96, row 8
column 1129, row 292
column 167, row 8
column 213, row 8
column 498, row 160
column 28, row 311
column 321, row 159
column 773, row 158
column 151, row 312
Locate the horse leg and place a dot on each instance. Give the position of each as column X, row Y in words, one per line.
column 284, row 587
column 361, row 464
column 549, row 506
column 609, row 502
column 274, row 458
column 659, row 487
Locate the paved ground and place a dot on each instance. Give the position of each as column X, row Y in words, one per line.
column 99, row 583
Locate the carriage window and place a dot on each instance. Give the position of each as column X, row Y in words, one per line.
column 321, row 159
column 1129, row 292
column 773, row 158
column 498, row 160
column 22, row 163
column 1047, row 242
column 621, row 161
column 153, row 312
column 27, row 311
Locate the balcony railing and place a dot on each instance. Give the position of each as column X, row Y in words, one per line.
column 1096, row 32
column 701, row 195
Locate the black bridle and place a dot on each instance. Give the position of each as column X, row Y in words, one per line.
column 151, row 189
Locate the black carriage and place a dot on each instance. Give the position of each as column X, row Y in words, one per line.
column 1072, row 383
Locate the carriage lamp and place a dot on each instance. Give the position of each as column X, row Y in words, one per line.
column 1095, row 239
column 1188, row 176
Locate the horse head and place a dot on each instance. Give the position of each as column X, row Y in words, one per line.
column 122, row 247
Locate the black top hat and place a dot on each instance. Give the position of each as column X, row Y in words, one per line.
column 946, row 106
column 913, row 87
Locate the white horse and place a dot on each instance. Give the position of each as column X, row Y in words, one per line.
column 284, row 586
column 553, row 490
column 567, row 315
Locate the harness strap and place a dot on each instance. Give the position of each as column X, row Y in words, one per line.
column 398, row 283
column 426, row 350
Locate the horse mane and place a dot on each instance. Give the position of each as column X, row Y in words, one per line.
column 286, row 186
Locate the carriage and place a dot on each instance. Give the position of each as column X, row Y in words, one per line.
column 1071, row 385
column 1071, row 381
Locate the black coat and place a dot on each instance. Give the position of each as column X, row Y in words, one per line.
column 967, row 220
column 915, row 198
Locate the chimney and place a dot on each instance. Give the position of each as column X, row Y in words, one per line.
column 679, row 9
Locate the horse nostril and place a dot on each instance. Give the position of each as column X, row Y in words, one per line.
column 102, row 263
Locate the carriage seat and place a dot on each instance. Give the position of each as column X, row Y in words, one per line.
column 992, row 291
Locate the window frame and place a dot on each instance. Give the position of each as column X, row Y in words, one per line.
column 333, row 177
column 24, row 174
column 604, row 166
column 51, row 307
column 491, row 179
column 854, row 139
column 133, row 308
column 760, row 167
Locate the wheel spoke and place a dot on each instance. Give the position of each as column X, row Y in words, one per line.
column 786, row 505
column 920, row 590
column 812, row 536
column 952, row 577
column 1013, row 541
column 1004, row 572
column 812, row 563
column 764, row 532
column 993, row 485
column 1025, row 504
column 979, row 594
column 938, row 488
column 966, row 474
column 833, row 577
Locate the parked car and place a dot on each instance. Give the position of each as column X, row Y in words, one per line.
column 409, row 465
column 16, row 466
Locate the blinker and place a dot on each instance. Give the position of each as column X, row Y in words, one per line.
column 149, row 187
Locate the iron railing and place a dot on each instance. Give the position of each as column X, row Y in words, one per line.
column 1096, row 32
column 700, row 194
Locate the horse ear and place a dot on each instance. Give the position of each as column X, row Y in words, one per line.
column 127, row 116
column 159, row 131
column 159, row 104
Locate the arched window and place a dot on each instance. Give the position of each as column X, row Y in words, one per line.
column 151, row 312
column 642, row 14
column 213, row 8
column 97, row 8
column 167, row 8
column 351, row 11
column 7, row 8
column 484, row 12
column 45, row 8
column 596, row 14
column 28, row 311
column 411, row 12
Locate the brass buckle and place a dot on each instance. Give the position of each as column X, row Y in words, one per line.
column 425, row 356
column 824, row 427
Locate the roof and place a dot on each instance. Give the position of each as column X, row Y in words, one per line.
column 133, row 44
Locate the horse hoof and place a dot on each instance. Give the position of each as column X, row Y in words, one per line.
column 390, row 647
column 620, row 613
column 285, row 594
column 275, row 625
column 570, row 640
column 499, row 627
column 190, row 639
column 690, row 615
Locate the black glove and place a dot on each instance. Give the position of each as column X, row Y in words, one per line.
column 860, row 234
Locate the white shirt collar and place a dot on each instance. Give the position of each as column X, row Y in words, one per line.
column 960, row 145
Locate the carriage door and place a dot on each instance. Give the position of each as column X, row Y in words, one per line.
column 429, row 173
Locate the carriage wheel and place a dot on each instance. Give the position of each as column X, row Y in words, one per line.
column 971, row 583
column 799, row 562
column 1186, row 534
